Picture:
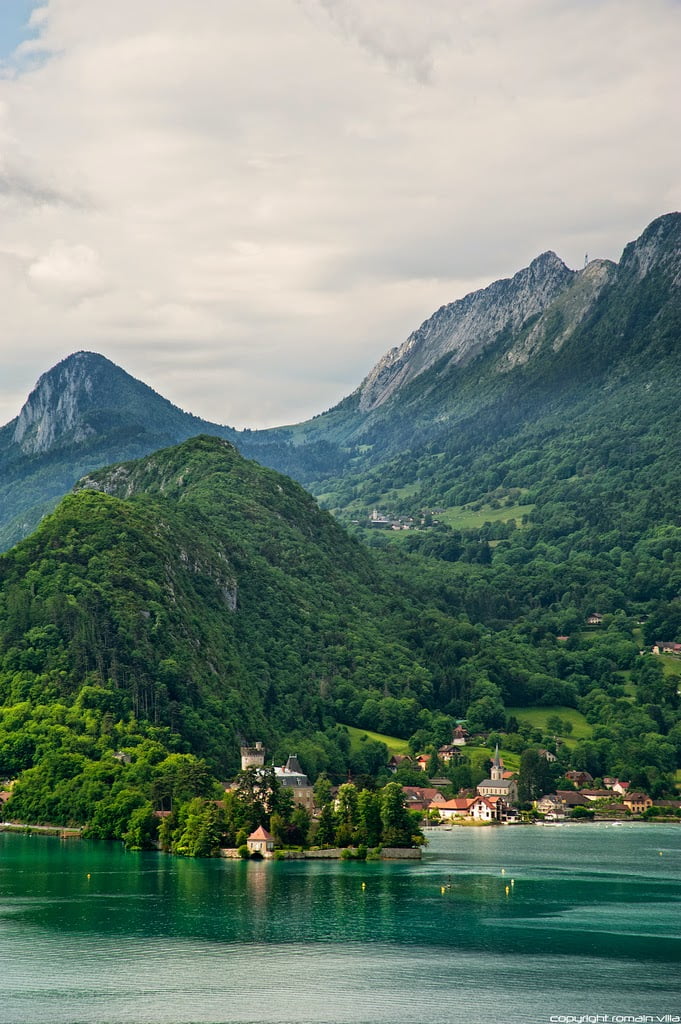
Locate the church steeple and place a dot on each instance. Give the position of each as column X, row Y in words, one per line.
column 497, row 767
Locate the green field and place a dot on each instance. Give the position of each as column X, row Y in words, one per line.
column 478, row 755
column 394, row 745
column 538, row 717
column 462, row 518
column 671, row 664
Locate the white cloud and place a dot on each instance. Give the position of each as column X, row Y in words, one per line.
column 275, row 193
column 66, row 273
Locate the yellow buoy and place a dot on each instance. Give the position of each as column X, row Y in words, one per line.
column 364, row 885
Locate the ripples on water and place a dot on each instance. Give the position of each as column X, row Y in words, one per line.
column 531, row 922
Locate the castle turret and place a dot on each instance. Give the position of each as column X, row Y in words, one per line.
column 253, row 757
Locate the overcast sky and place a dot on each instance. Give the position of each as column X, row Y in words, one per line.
column 245, row 203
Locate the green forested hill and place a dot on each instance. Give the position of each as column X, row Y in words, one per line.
column 198, row 596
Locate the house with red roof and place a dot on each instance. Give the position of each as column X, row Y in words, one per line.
column 260, row 842
column 637, row 803
column 419, row 798
column 482, row 808
column 455, row 808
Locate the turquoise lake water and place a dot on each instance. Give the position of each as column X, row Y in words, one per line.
column 533, row 923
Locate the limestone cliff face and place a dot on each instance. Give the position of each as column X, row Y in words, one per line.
column 55, row 407
column 465, row 328
column 568, row 310
column 658, row 248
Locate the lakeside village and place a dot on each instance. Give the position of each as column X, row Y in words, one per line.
column 275, row 812
column 494, row 801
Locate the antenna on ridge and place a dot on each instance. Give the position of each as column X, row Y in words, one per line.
column 586, row 258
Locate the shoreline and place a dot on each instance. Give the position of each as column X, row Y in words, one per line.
column 57, row 831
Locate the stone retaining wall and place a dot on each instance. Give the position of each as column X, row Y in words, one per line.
column 387, row 853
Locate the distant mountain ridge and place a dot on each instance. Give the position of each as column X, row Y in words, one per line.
column 496, row 362
column 478, row 369
column 463, row 329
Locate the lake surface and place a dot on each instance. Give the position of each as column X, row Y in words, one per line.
column 494, row 925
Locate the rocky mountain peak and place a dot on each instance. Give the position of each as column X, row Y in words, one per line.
column 658, row 246
column 56, row 405
column 463, row 329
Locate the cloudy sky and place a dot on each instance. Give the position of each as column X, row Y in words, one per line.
column 245, row 203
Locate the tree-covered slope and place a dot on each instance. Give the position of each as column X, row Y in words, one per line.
column 198, row 593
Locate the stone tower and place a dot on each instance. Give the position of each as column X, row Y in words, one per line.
column 252, row 757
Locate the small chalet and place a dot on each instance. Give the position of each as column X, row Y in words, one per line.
column 666, row 647
column 459, row 736
column 595, row 619
column 260, row 841
column 547, row 755
column 448, row 752
column 579, row 778
column 552, row 807
column 637, row 803
column 570, row 798
column 419, row 798
column 397, row 760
